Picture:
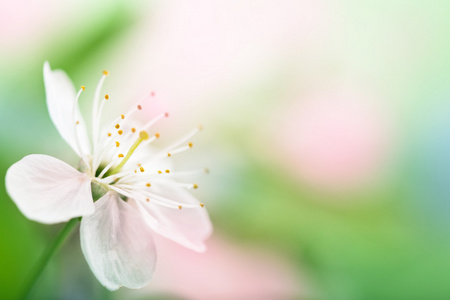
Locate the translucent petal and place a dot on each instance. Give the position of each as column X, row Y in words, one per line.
column 48, row 190
column 60, row 98
column 189, row 227
column 117, row 244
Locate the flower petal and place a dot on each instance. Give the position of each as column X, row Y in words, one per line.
column 60, row 98
column 48, row 190
column 117, row 244
column 189, row 227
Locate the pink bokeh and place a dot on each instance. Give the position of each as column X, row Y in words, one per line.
column 225, row 271
column 336, row 138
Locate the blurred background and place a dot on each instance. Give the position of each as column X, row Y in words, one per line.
column 327, row 136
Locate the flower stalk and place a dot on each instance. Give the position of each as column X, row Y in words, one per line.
column 46, row 256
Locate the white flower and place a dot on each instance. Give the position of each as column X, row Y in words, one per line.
column 140, row 194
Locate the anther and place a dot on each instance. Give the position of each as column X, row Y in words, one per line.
column 201, row 204
column 166, row 114
column 169, row 155
column 141, row 169
column 180, row 207
column 120, row 132
column 167, row 171
column 117, row 126
column 148, row 184
column 120, row 155
column 195, row 186
column 106, row 97
column 122, row 116
column 139, row 107
column 148, row 200
column 78, row 122
column 157, row 135
column 83, row 87
column 133, row 130
column 105, row 72
column 190, row 145
column 109, row 134
column 117, row 144
column 159, row 172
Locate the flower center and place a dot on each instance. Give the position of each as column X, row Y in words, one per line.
column 143, row 135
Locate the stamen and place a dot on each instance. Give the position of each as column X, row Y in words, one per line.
column 202, row 205
column 141, row 169
column 109, row 134
column 148, row 184
column 120, row 155
column 106, row 97
column 167, row 171
column 117, row 144
column 120, row 132
column 195, row 186
column 180, row 207
column 83, row 87
column 139, row 107
column 122, row 116
column 133, row 130
column 117, row 126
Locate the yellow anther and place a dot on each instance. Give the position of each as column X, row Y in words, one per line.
column 120, row 132
column 190, row 145
column 133, row 129
column 122, row 116
column 120, row 155
column 139, row 165
column 159, row 172
column 109, row 133
column 143, row 135
column 117, row 144
column 135, row 171
column 148, row 184
column 83, row 87
column 78, row 122
column 157, row 135
column 105, row 72
column 169, row 155
column 139, row 107
column 201, row 204
column 167, row 171
column 106, row 97
column 148, row 200
column 195, row 186
column 117, row 126
column 180, row 207
column 141, row 169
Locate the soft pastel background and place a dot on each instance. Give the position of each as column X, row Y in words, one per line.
column 327, row 133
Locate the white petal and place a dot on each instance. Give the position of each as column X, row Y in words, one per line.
column 60, row 98
column 48, row 190
column 189, row 227
column 117, row 244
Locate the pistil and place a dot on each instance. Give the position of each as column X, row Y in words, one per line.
column 143, row 135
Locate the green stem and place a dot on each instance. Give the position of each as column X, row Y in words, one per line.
column 45, row 258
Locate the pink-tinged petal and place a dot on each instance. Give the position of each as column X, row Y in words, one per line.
column 117, row 244
column 60, row 99
column 189, row 227
column 48, row 190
